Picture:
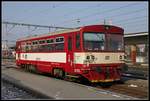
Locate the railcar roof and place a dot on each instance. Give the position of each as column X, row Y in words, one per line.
column 60, row 32
column 49, row 34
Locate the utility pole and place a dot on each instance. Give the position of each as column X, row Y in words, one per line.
column 104, row 22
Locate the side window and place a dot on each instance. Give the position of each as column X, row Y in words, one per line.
column 50, row 41
column 59, row 44
column 69, row 43
column 50, row 44
column 77, row 41
column 35, row 46
column 60, row 40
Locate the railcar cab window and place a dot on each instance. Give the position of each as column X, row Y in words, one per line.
column 115, row 42
column 94, row 41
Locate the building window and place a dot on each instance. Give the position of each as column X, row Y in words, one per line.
column 141, row 53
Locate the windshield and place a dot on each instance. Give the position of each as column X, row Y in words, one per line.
column 94, row 41
column 115, row 42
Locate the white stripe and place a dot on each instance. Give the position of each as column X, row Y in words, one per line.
column 47, row 57
column 79, row 58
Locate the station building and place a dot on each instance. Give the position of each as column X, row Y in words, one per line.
column 136, row 47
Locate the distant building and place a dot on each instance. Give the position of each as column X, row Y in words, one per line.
column 136, row 47
column 7, row 50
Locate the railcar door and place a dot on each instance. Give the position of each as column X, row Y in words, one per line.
column 18, row 49
column 70, row 53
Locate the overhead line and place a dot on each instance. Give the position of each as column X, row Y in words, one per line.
column 132, row 18
column 44, row 26
column 41, row 11
column 79, row 10
column 103, row 11
column 130, row 22
column 127, row 13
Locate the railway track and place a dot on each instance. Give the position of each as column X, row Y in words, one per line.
column 130, row 91
column 139, row 73
column 130, row 75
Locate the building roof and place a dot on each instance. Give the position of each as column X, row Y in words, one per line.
column 135, row 34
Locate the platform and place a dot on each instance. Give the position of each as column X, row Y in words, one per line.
column 60, row 89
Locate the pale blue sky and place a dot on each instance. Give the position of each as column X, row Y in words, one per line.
column 132, row 16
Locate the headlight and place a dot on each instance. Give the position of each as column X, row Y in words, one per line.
column 88, row 57
column 121, row 57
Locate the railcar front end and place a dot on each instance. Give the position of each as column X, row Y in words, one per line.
column 102, row 58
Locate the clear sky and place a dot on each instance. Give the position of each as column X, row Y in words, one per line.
column 132, row 16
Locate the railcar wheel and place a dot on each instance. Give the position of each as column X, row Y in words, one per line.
column 58, row 73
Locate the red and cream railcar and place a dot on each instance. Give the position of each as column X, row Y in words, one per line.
column 95, row 52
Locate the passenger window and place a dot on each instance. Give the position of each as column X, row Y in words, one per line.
column 50, row 41
column 60, row 40
column 69, row 43
column 41, row 41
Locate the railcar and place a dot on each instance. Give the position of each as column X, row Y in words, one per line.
column 94, row 52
